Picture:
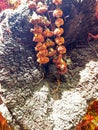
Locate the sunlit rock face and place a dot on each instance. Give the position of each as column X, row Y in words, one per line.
column 67, row 111
column 29, row 98
column 17, row 55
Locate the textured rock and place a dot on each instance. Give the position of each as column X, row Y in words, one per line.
column 89, row 81
column 29, row 108
column 37, row 111
column 17, row 55
column 68, row 111
column 31, row 104
column 34, row 108
column 81, row 20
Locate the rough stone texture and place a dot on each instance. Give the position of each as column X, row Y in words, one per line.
column 17, row 55
column 89, row 81
column 81, row 20
column 38, row 110
column 29, row 99
column 34, row 108
column 68, row 111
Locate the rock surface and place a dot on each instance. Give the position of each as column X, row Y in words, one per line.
column 31, row 100
column 17, row 62
column 81, row 20
column 35, row 107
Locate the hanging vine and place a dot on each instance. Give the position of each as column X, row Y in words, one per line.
column 48, row 35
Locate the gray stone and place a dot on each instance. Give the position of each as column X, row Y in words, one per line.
column 17, row 63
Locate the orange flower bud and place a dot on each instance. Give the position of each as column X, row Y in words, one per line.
column 57, row 13
column 52, row 52
column 43, row 60
column 61, row 49
column 41, row 8
column 42, row 53
column 37, row 29
column 48, row 33
column 49, row 43
column 40, row 46
column 57, row 2
column 58, row 31
column 59, row 40
column 38, row 38
column 59, row 22
column 32, row 5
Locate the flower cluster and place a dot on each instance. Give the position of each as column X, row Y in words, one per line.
column 90, row 120
column 4, row 124
column 49, row 42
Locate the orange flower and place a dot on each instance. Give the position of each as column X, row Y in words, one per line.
column 35, row 19
column 48, row 33
column 44, row 21
column 51, row 52
column 57, row 13
column 61, row 49
column 57, row 59
column 60, row 63
column 41, row 8
column 32, row 5
column 59, row 22
column 57, row 2
column 38, row 38
column 14, row 3
column 59, row 40
column 3, row 123
column 40, row 46
column 43, row 60
column 42, row 53
column 49, row 43
column 37, row 29
column 58, row 31
column 88, row 117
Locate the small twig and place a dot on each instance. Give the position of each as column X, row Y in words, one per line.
column 40, row 79
column 50, row 18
